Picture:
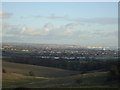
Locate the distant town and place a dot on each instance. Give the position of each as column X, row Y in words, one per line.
column 63, row 51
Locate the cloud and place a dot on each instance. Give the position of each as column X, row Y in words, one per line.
column 53, row 17
column 38, row 16
column 50, row 30
column 10, row 33
column 5, row 15
column 48, row 25
column 9, row 30
column 99, row 20
column 0, row 30
column 39, row 31
column 68, row 33
column 73, row 24
column 104, row 33
column 66, row 30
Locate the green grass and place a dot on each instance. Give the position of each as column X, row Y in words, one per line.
column 86, row 80
column 38, row 70
column 15, row 79
column 46, row 77
column 18, row 74
column 17, row 83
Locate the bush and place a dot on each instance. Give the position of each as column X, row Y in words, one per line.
column 83, row 72
column 31, row 73
column 4, row 70
column 22, row 88
column 78, row 81
column 113, row 73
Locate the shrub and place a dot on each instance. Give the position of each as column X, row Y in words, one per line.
column 113, row 73
column 4, row 70
column 83, row 72
column 22, row 88
column 78, row 81
column 31, row 73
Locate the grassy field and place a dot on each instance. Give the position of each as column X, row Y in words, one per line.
column 15, row 80
column 38, row 70
column 17, row 75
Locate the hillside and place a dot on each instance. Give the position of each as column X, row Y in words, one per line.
column 38, row 70
column 17, row 75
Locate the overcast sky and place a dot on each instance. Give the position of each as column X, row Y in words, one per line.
column 78, row 23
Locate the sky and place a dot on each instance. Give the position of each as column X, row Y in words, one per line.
column 75, row 23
